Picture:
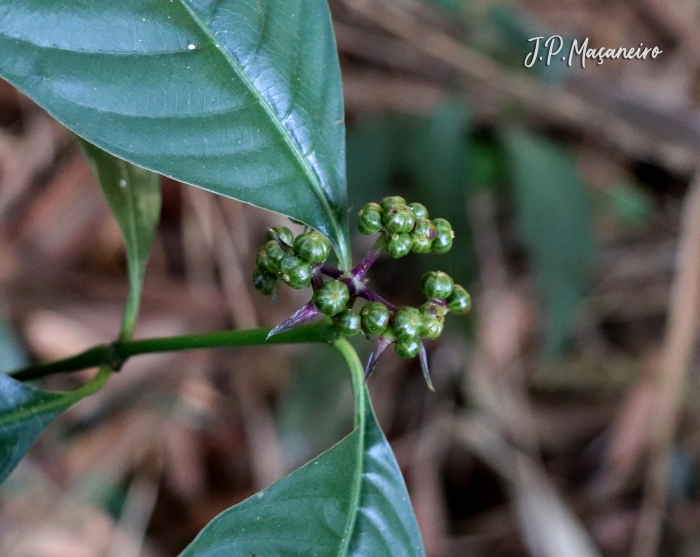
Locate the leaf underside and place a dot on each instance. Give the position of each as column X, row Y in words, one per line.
column 239, row 97
column 350, row 501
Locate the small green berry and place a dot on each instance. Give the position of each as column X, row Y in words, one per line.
column 281, row 233
column 369, row 219
column 263, row 282
column 295, row 272
column 432, row 325
column 442, row 224
column 442, row 242
column 407, row 322
column 423, row 235
column 392, row 200
column 312, row 247
column 375, row 318
column 399, row 245
column 436, row 284
column 432, row 309
column 347, row 323
column 419, row 210
column 269, row 257
column 331, row 297
column 459, row 301
column 407, row 347
column 398, row 219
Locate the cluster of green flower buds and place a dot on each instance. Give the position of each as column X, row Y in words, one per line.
column 405, row 228
column 300, row 262
column 406, row 326
column 291, row 260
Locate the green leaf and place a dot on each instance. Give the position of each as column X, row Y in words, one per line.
column 133, row 194
column 240, row 98
column 350, row 501
column 25, row 412
column 554, row 216
column 12, row 355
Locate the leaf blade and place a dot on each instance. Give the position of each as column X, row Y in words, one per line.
column 134, row 196
column 241, row 98
column 25, row 412
column 354, row 509
column 355, row 500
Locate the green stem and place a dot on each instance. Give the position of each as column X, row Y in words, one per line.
column 116, row 354
column 357, row 376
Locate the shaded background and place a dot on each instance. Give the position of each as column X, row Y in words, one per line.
column 567, row 412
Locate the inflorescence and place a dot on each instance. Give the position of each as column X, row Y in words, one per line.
column 300, row 262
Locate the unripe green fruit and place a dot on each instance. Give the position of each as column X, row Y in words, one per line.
column 407, row 347
column 398, row 219
column 280, row 233
column 436, row 284
column 442, row 242
column 295, row 272
column 269, row 257
column 312, row 247
column 419, row 210
column 263, row 282
column 432, row 325
column 423, row 235
column 331, row 297
column 459, row 301
column 442, row 224
column 375, row 318
column 369, row 219
column 347, row 323
column 399, row 245
column 432, row 309
column 392, row 200
column 407, row 322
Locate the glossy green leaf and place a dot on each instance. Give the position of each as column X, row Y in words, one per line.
column 240, row 97
column 554, row 216
column 25, row 412
column 133, row 194
column 350, row 501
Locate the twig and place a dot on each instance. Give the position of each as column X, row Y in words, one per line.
column 673, row 370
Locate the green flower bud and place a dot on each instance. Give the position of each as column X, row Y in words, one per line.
column 419, row 210
column 331, row 297
column 399, row 245
column 347, row 323
column 459, row 301
column 312, row 247
column 263, row 282
column 280, row 233
column 375, row 318
column 423, row 235
column 432, row 325
column 295, row 272
column 369, row 219
column 269, row 257
column 393, row 200
column 407, row 347
column 436, row 284
column 398, row 219
column 407, row 322
column 442, row 242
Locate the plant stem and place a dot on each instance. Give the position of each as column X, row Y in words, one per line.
column 116, row 354
column 357, row 377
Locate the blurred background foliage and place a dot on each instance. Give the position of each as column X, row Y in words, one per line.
column 567, row 411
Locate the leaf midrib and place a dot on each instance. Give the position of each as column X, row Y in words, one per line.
column 357, row 483
column 289, row 141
